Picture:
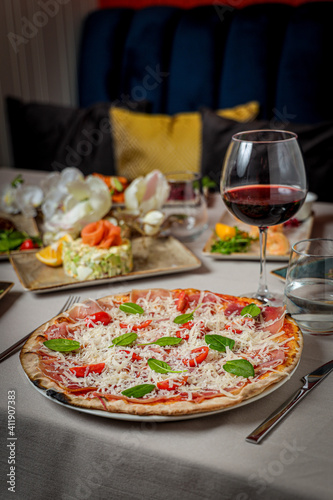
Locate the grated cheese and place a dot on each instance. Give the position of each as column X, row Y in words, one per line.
column 256, row 344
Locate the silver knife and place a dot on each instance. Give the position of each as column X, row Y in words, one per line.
column 310, row 381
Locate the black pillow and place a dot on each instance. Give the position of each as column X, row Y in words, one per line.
column 51, row 137
column 316, row 142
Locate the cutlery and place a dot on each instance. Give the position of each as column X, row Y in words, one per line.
column 310, row 381
column 69, row 302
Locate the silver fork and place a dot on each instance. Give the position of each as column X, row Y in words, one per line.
column 72, row 299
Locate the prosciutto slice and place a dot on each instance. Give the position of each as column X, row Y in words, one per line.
column 277, row 357
column 61, row 330
column 81, row 311
column 273, row 318
column 151, row 294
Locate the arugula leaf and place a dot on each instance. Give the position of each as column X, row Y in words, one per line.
column 125, row 339
column 138, row 391
column 240, row 367
column 218, row 342
column 62, row 345
column 161, row 366
column 163, row 341
column 238, row 243
column 251, row 310
column 131, row 308
column 11, row 239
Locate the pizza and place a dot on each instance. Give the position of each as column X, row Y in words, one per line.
column 162, row 352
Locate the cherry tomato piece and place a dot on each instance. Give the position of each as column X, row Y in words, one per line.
column 165, row 384
column 232, row 328
column 27, row 245
column 182, row 335
column 182, row 302
column 199, row 358
column 141, row 325
column 187, row 325
column 135, row 357
column 98, row 317
column 81, row 371
column 137, row 327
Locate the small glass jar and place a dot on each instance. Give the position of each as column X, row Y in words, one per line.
column 186, row 207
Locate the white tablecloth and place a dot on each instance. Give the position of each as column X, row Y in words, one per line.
column 60, row 453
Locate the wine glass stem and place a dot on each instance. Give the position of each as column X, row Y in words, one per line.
column 262, row 289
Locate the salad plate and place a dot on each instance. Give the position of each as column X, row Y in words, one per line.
column 21, row 223
column 293, row 233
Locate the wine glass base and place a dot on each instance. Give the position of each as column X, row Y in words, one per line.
column 269, row 299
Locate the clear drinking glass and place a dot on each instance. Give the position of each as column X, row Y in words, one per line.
column 263, row 183
column 186, row 206
column 309, row 285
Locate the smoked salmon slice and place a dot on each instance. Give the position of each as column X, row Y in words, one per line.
column 102, row 233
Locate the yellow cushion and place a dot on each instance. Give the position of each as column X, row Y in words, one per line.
column 145, row 142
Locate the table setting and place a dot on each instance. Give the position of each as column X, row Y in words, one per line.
column 202, row 454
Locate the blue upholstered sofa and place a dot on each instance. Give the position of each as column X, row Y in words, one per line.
column 166, row 60
column 213, row 56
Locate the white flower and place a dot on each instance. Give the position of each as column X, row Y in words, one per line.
column 8, row 201
column 152, row 222
column 28, row 198
column 147, row 193
column 16, row 198
column 55, row 189
column 73, row 202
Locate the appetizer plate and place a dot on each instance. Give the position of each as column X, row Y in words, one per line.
column 5, row 286
column 22, row 223
column 151, row 257
column 161, row 418
column 303, row 231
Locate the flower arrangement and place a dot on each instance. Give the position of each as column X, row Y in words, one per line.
column 68, row 201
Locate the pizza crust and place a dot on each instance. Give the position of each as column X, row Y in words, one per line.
column 30, row 362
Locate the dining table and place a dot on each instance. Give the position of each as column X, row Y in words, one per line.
column 53, row 451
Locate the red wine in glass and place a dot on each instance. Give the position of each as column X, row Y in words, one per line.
column 263, row 183
column 262, row 205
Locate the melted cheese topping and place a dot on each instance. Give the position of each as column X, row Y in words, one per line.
column 253, row 341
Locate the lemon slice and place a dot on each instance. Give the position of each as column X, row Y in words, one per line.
column 52, row 254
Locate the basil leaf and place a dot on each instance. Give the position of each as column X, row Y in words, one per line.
column 251, row 310
column 131, row 308
column 138, row 391
column 125, row 339
column 161, row 366
column 183, row 318
column 163, row 341
column 62, row 345
column 240, row 367
column 218, row 342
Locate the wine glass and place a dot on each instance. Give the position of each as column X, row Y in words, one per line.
column 263, row 183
